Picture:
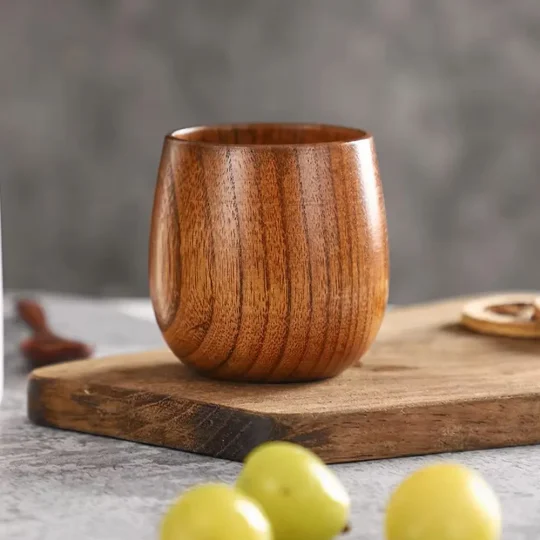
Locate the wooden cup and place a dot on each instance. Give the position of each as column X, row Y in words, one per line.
column 268, row 250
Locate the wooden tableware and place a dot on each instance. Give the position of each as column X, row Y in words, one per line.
column 45, row 347
column 512, row 315
column 268, row 250
column 427, row 385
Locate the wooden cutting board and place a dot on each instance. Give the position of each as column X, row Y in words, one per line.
column 426, row 386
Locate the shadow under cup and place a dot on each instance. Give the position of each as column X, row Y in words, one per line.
column 268, row 250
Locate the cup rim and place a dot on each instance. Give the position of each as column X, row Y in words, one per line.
column 355, row 135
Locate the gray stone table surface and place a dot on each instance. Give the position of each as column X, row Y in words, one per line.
column 57, row 485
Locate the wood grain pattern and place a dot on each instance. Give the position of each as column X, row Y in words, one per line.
column 268, row 250
column 427, row 385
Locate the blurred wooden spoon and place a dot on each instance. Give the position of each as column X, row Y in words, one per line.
column 45, row 347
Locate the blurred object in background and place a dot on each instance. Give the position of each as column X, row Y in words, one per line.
column 89, row 88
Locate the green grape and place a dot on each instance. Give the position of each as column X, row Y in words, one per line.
column 301, row 496
column 443, row 502
column 216, row 512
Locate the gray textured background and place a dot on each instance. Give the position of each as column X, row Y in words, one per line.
column 450, row 89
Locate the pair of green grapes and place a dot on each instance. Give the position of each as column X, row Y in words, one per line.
column 285, row 492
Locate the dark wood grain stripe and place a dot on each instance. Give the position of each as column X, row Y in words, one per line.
column 166, row 250
column 258, row 179
column 240, row 314
column 326, row 360
column 218, row 341
column 323, row 222
column 276, row 267
column 345, row 250
column 197, row 314
column 346, row 212
column 351, row 204
column 319, row 157
column 301, row 358
column 317, row 257
column 278, row 157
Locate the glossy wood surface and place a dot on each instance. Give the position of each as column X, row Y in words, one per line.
column 427, row 385
column 268, row 250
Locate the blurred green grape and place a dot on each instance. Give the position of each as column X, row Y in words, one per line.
column 215, row 512
column 301, row 496
column 443, row 502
